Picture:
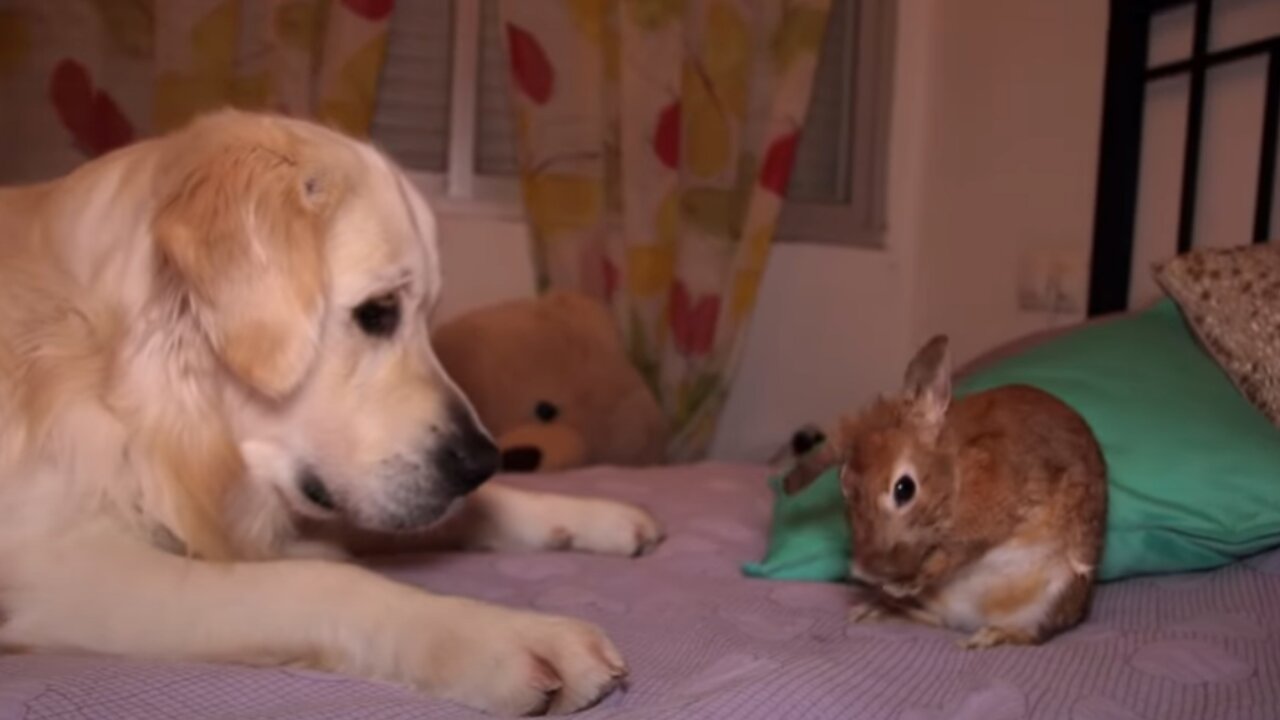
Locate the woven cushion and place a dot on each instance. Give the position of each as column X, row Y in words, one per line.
column 1231, row 299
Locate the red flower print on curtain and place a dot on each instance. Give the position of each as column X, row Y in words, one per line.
column 94, row 120
column 666, row 139
column 529, row 65
column 693, row 325
column 375, row 10
column 778, row 161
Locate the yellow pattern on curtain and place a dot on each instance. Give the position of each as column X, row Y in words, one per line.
column 83, row 77
column 309, row 58
column 656, row 138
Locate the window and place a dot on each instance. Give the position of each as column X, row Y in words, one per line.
column 443, row 112
column 442, row 106
column 837, row 190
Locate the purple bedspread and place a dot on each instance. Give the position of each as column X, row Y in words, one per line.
column 705, row 642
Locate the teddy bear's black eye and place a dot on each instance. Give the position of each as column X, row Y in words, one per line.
column 903, row 490
column 545, row 411
column 378, row 316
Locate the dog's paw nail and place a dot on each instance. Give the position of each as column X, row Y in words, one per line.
column 559, row 539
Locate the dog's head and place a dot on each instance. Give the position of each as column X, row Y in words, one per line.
column 308, row 262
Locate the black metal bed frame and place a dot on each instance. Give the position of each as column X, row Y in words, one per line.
column 1124, row 97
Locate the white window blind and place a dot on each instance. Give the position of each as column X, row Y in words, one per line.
column 445, row 54
column 411, row 119
column 837, row 194
column 495, row 131
column 823, row 156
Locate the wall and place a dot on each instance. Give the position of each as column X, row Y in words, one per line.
column 486, row 260
column 1015, row 115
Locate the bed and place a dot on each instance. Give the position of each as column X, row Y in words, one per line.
column 705, row 641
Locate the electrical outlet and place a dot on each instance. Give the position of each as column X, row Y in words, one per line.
column 1051, row 282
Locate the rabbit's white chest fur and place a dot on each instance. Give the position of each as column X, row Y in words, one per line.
column 1013, row 585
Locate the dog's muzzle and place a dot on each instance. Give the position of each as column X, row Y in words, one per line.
column 414, row 493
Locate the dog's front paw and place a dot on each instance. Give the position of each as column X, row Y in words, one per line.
column 529, row 664
column 315, row 550
column 504, row 518
column 601, row 526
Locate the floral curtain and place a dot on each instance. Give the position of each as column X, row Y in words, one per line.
column 79, row 78
column 656, row 138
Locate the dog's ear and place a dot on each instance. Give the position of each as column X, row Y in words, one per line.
column 242, row 227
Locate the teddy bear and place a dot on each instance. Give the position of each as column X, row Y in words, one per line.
column 549, row 377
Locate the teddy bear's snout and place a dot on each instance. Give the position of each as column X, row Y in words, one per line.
column 522, row 458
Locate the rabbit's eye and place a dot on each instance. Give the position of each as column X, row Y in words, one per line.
column 903, row 490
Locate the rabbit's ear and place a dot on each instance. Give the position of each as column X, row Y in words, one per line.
column 927, row 385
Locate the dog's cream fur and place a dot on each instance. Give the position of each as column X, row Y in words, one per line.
column 177, row 345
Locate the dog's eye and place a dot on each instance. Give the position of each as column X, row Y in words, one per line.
column 903, row 490
column 379, row 316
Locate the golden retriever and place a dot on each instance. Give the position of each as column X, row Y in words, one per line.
column 209, row 340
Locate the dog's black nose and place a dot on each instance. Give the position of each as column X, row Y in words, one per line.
column 466, row 459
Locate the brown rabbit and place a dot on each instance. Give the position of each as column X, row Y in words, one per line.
column 985, row 515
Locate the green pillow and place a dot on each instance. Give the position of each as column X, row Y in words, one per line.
column 1194, row 467
column 809, row 536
